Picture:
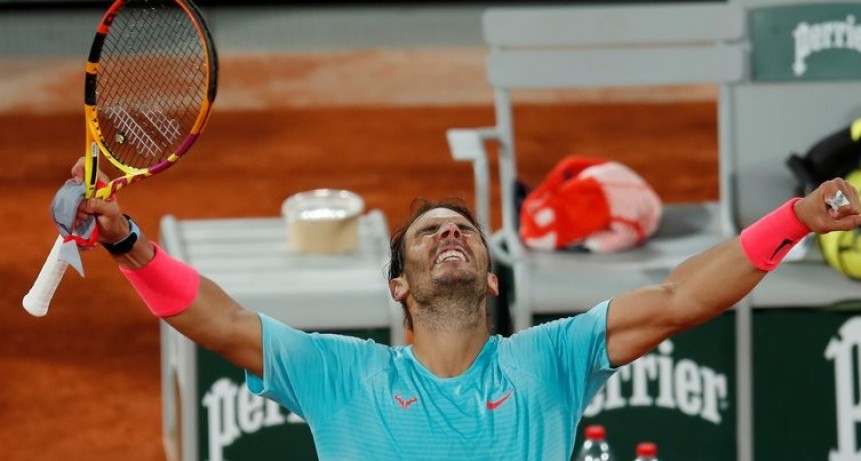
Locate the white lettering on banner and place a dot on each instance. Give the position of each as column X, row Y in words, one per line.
column 693, row 389
column 846, row 355
column 233, row 411
column 813, row 38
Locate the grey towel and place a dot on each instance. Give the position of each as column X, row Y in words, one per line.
column 64, row 211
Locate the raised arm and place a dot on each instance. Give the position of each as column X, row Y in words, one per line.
column 711, row 282
column 174, row 291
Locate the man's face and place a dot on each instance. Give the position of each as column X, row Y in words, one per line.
column 444, row 251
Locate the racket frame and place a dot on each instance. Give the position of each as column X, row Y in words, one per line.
column 38, row 299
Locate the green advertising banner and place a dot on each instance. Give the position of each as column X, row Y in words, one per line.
column 806, row 384
column 681, row 396
column 806, row 42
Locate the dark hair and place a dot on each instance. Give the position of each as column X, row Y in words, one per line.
column 419, row 207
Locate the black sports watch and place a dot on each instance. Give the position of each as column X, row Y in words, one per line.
column 126, row 243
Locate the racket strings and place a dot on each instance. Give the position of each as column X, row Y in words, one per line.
column 152, row 82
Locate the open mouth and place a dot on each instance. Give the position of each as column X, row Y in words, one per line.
column 450, row 255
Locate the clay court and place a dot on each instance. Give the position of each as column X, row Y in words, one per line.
column 83, row 382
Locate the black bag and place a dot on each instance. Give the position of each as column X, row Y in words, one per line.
column 836, row 155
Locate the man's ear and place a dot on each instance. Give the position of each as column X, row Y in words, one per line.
column 399, row 289
column 492, row 284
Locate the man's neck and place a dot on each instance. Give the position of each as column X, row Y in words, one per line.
column 449, row 353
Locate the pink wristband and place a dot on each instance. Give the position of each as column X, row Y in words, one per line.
column 768, row 240
column 167, row 286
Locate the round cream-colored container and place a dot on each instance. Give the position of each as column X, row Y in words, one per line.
column 323, row 221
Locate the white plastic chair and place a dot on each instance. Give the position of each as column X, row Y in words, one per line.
column 571, row 47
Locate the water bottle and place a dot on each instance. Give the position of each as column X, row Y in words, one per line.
column 595, row 447
column 647, row 451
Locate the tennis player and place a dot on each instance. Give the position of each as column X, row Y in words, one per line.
column 457, row 392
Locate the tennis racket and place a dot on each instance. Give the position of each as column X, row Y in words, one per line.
column 151, row 79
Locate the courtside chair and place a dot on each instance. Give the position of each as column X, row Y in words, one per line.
column 578, row 47
column 776, row 112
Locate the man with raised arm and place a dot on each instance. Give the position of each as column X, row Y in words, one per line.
column 457, row 392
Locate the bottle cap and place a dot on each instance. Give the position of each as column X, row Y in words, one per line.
column 647, row 449
column 595, row 432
